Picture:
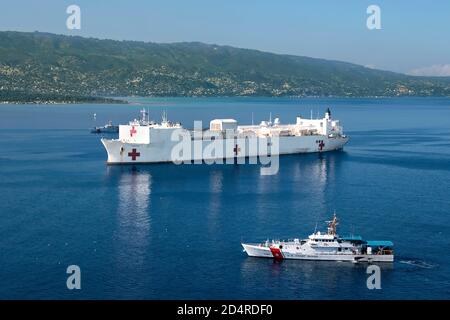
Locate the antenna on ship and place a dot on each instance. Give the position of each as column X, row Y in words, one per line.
column 270, row 118
column 332, row 224
column 164, row 116
column 143, row 115
column 252, row 118
column 311, row 114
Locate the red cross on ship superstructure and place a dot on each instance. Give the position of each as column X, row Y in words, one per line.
column 132, row 131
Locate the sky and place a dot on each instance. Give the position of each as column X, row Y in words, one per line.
column 414, row 35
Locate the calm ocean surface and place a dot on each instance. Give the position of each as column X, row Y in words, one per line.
column 173, row 232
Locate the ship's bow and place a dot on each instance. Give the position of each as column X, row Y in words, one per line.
column 113, row 150
column 255, row 250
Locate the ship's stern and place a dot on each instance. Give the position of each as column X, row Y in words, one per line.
column 337, row 143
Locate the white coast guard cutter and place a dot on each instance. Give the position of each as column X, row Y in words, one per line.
column 324, row 246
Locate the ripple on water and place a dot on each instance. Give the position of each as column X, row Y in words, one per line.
column 418, row 263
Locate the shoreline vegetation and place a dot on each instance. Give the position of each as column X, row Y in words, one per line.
column 123, row 100
column 24, row 98
column 37, row 67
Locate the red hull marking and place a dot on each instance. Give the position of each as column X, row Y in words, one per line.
column 134, row 154
column 321, row 144
column 276, row 252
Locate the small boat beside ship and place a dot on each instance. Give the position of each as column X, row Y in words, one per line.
column 324, row 246
column 107, row 128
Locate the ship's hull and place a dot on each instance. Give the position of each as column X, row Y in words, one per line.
column 128, row 153
column 255, row 250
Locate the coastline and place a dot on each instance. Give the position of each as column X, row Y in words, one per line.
column 130, row 100
column 81, row 101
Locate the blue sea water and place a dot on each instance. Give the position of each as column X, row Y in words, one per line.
column 173, row 232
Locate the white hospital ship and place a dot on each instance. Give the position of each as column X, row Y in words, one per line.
column 145, row 141
column 324, row 246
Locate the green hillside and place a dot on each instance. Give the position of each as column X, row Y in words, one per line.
column 42, row 66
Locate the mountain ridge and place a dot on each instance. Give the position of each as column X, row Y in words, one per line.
column 43, row 64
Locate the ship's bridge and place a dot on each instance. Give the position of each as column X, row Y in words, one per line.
column 322, row 236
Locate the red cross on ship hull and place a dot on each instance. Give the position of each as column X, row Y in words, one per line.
column 134, row 154
column 321, row 144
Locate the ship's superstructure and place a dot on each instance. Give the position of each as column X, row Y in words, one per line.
column 324, row 246
column 145, row 141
